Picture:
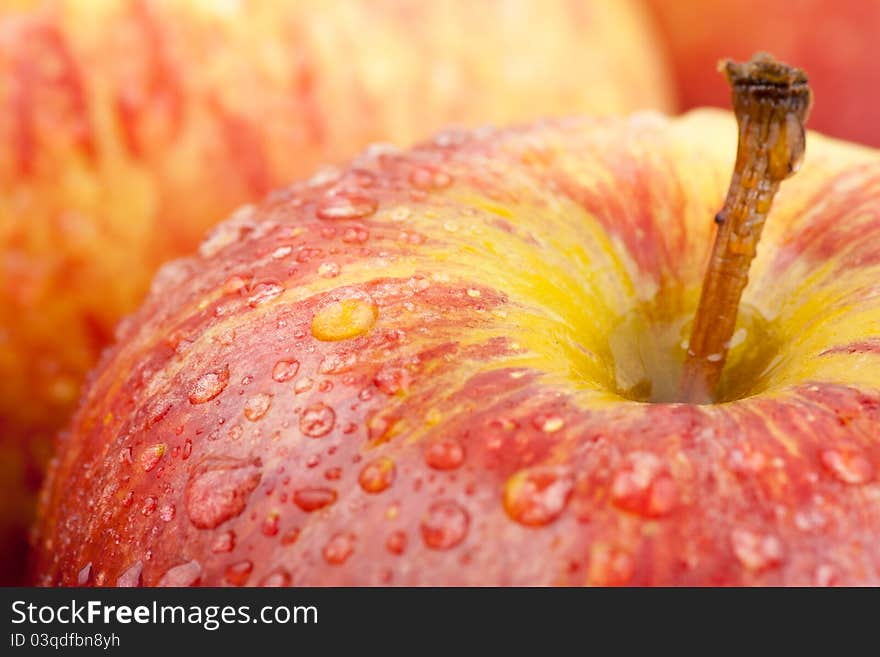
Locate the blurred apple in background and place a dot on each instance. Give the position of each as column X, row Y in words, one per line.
column 128, row 127
column 433, row 366
column 836, row 41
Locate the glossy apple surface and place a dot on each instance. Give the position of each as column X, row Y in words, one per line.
column 834, row 40
column 129, row 127
column 433, row 368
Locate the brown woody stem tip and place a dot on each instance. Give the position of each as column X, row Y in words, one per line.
column 771, row 101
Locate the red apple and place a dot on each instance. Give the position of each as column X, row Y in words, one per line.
column 434, row 367
column 835, row 40
column 130, row 126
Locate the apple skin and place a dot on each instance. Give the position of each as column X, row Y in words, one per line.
column 401, row 375
column 130, row 127
column 835, row 41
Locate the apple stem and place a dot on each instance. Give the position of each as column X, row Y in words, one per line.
column 771, row 101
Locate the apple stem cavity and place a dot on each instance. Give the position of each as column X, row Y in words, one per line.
column 771, row 101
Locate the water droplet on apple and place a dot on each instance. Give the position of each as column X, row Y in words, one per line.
column 312, row 499
column 152, row 455
column 447, row 454
column 317, row 420
column 84, row 576
column 825, row 575
column 208, row 386
column 291, row 536
column 225, row 542
column 186, row 574
column 328, row 270
column 237, row 574
column 131, row 576
column 642, row 486
column 346, row 206
column 376, row 476
column 279, row 578
column 167, row 512
column 537, row 496
column 149, row 505
column 445, row 525
column 339, row 548
column 257, row 406
column 213, row 496
column 355, row 235
column 302, row 386
column 392, row 380
column 757, row 552
column 270, row 524
column 285, row 370
column 336, row 363
column 610, row 566
column 426, row 179
column 548, row 422
column 396, row 542
column 847, row 464
column 282, row 252
column 263, row 292
column 343, row 320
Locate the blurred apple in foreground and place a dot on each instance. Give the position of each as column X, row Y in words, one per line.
column 835, row 40
column 129, row 127
column 433, row 368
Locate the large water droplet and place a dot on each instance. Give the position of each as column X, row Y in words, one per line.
column 757, row 552
column 847, row 464
column 445, row 454
column 186, row 574
column 312, row 499
column 346, row 206
column 257, row 406
column 537, row 496
column 285, row 370
column 238, row 573
column 317, row 420
column 343, row 320
column 208, row 386
column 643, row 487
column 445, row 525
column 377, row 475
column 339, row 548
column 217, row 494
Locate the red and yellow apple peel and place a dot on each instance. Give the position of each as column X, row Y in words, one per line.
column 409, row 373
